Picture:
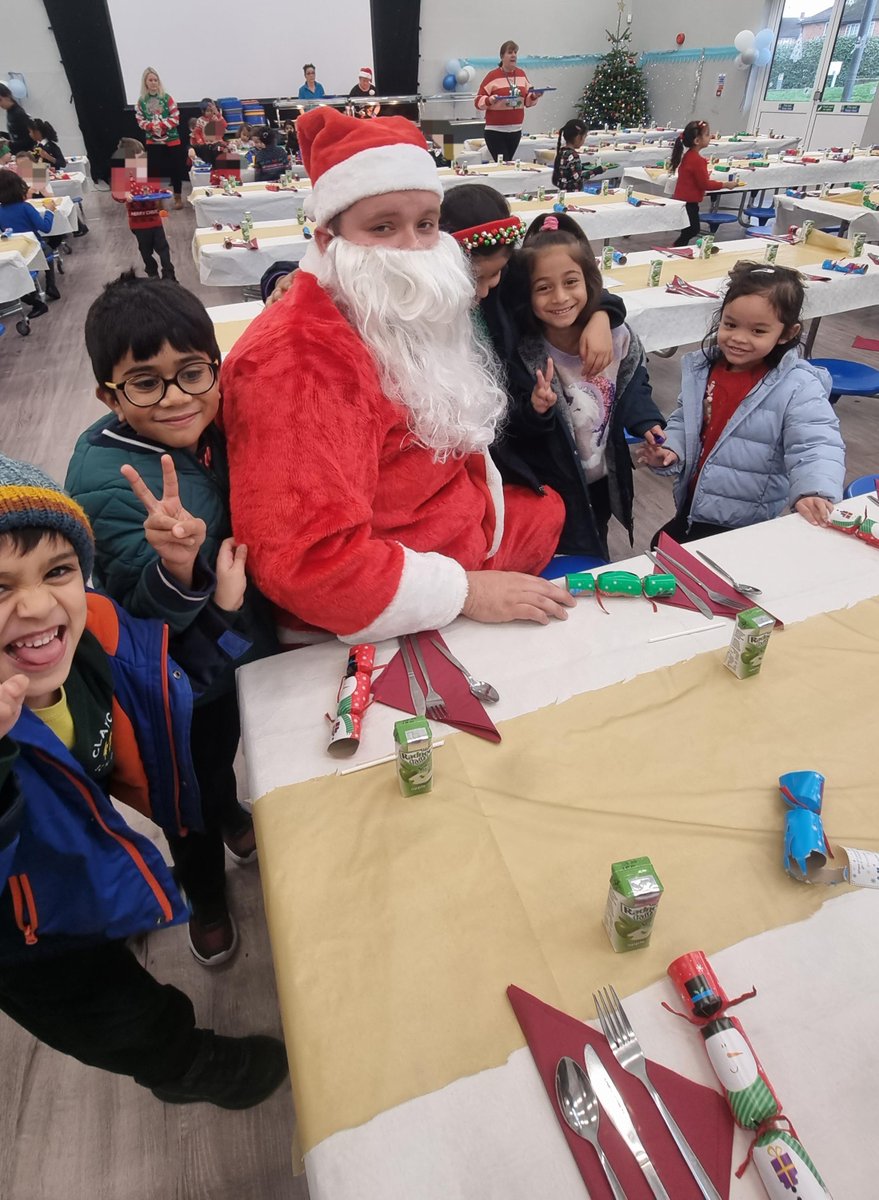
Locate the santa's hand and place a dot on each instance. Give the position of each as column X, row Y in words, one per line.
column 543, row 397
column 596, row 344
column 174, row 534
column 12, row 693
column 499, row 596
column 651, row 455
column 281, row 288
column 231, row 579
column 815, row 509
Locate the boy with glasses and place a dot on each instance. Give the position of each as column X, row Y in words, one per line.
column 156, row 361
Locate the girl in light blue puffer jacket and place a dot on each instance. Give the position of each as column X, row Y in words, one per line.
column 754, row 430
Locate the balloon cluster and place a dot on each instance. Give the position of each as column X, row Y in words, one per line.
column 754, row 49
column 456, row 72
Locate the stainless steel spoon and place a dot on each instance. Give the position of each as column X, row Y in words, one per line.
column 481, row 690
column 747, row 589
column 579, row 1107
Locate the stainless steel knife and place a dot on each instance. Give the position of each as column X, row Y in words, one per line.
column 416, row 694
column 691, row 596
column 615, row 1106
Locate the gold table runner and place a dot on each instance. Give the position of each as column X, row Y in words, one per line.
column 262, row 232
column 396, row 925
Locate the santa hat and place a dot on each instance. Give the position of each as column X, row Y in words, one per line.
column 365, row 73
column 348, row 160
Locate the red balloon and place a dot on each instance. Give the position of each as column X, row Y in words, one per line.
column 681, row 38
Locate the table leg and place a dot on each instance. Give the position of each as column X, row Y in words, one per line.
column 811, row 335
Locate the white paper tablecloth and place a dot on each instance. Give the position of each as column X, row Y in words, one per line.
column 201, row 176
column 79, row 162
column 508, row 182
column 15, row 278
column 72, row 187
column 253, row 198
column 610, row 221
column 776, row 175
column 219, row 267
column 789, row 211
column 493, row 1135
column 64, row 219
column 662, row 320
column 531, row 144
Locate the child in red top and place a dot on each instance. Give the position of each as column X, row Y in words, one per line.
column 130, row 186
column 693, row 178
column 503, row 96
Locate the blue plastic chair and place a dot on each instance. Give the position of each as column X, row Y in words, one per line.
column 849, row 378
column 860, row 486
column 570, row 564
column 715, row 219
column 761, row 213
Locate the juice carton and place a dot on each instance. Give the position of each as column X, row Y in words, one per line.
column 632, row 900
column 654, row 272
column 749, row 641
column 413, row 744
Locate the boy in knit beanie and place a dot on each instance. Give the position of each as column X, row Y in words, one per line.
column 91, row 705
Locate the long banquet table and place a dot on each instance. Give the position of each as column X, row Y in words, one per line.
column 662, row 319
column 843, row 208
column 213, row 204
column 611, row 216
column 396, row 925
column 238, row 267
column 778, row 174
column 19, row 255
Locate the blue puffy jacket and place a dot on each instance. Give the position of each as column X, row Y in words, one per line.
column 781, row 443
column 76, row 872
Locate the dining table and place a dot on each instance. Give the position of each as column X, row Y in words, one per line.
column 612, row 215
column 64, row 218
column 780, row 172
column 19, row 255
column 240, row 266
column 265, row 202
column 842, row 207
column 506, row 178
column 533, row 144
column 397, row 923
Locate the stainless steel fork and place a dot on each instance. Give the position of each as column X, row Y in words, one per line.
column 436, row 706
column 627, row 1051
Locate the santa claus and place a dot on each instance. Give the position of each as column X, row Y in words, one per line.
column 360, row 408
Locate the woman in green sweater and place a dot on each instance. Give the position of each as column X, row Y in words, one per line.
column 156, row 114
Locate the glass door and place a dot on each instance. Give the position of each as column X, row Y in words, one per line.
column 824, row 71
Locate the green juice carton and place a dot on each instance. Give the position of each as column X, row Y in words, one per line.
column 413, row 744
column 749, row 641
column 632, row 900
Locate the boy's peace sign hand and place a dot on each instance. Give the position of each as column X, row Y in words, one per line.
column 12, row 694
column 174, row 534
column 543, row 397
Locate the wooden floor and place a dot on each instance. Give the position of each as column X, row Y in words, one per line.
column 68, row 1131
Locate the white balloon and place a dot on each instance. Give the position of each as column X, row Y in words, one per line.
column 741, row 64
column 744, row 41
column 471, row 73
column 749, row 57
column 462, row 76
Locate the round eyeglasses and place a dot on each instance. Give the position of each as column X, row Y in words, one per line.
column 143, row 391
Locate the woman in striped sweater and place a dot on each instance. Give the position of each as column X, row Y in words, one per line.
column 157, row 115
column 503, row 96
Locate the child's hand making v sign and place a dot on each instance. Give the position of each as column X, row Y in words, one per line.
column 177, row 536
column 543, row 397
column 652, row 453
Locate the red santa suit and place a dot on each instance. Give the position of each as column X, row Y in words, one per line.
column 352, row 526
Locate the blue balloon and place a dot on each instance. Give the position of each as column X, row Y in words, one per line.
column 764, row 56
column 450, row 82
column 764, row 39
column 453, row 66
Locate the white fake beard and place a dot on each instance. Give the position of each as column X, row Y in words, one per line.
column 412, row 309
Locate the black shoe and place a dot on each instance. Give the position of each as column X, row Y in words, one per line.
column 229, row 1072
column 153, row 274
column 38, row 310
column 53, row 294
column 81, row 232
column 169, row 275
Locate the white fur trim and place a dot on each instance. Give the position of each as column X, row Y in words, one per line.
column 373, row 172
column 496, row 491
column 431, row 593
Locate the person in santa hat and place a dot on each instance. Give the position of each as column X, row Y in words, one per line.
column 364, row 86
column 359, row 410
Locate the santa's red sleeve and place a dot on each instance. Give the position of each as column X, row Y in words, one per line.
column 304, row 425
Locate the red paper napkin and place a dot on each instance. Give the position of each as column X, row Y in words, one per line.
column 702, row 1113
column 716, row 582
column 862, row 343
column 465, row 712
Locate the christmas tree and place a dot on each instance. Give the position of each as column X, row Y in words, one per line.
column 617, row 93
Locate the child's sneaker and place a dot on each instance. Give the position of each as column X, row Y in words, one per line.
column 229, row 1072
column 213, row 937
column 241, row 845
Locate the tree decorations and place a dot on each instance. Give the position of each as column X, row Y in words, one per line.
column 617, row 93
column 492, row 235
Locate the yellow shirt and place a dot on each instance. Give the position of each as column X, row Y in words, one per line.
column 58, row 717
